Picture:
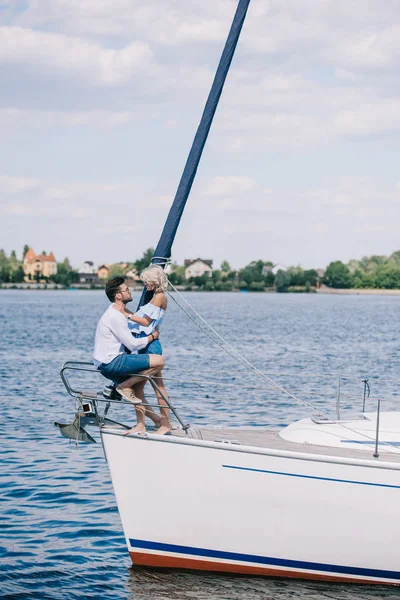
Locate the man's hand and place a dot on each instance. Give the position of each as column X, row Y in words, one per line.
column 156, row 334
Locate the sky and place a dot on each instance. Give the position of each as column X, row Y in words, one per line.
column 100, row 100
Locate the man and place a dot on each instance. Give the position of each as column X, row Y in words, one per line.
column 113, row 339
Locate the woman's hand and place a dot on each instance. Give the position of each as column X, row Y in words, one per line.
column 153, row 336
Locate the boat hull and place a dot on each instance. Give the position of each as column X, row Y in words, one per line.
column 213, row 506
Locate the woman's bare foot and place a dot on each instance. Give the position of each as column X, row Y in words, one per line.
column 137, row 429
column 163, row 429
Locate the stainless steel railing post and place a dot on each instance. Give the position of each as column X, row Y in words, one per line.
column 90, row 368
column 376, row 453
column 366, row 389
column 338, row 400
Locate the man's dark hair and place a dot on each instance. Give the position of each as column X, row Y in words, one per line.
column 112, row 287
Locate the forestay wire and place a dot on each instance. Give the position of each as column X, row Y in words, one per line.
column 235, row 354
column 229, row 349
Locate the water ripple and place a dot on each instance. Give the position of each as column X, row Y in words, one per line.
column 60, row 533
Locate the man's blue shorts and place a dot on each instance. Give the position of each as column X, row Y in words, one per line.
column 124, row 365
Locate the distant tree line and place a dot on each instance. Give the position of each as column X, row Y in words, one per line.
column 11, row 270
column 380, row 272
column 257, row 276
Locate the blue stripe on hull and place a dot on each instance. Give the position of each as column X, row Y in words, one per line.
column 266, row 561
column 385, row 485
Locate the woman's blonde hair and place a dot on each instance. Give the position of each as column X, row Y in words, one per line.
column 156, row 276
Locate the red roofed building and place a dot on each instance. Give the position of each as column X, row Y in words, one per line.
column 39, row 265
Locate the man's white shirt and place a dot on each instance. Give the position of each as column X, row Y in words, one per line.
column 112, row 334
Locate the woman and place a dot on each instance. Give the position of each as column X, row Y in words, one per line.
column 144, row 323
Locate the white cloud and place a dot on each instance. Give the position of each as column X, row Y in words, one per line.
column 55, row 51
column 313, row 93
column 102, row 119
column 265, row 226
column 369, row 119
column 17, row 209
column 79, row 199
column 222, row 186
column 320, row 227
column 167, row 23
column 343, row 198
column 368, row 228
column 15, row 185
column 376, row 49
column 274, row 94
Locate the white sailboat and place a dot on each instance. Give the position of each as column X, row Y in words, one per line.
column 315, row 500
column 309, row 501
column 301, row 502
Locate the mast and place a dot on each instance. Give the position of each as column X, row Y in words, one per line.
column 163, row 249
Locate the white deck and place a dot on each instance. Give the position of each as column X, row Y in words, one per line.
column 306, row 436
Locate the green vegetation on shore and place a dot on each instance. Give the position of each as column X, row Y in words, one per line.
column 374, row 272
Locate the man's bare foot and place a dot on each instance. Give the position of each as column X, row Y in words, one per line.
column 137, row 429
column 163, row 429
column 129, row 394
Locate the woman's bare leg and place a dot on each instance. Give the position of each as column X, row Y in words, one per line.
column 127, row 387
column 165, row 425
column 140, row 426
column 133, row 390
column 139, row 392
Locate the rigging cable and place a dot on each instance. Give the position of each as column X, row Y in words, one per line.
column 235, row 354
column 229, row 349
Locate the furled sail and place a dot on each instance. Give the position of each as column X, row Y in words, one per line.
column 163, row 249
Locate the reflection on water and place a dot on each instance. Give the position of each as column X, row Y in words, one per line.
column 180, row 585
column 60, row 531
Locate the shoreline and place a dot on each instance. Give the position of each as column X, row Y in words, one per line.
column 359, row 291
column 324, row 290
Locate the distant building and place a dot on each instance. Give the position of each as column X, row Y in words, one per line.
column 103, row 271
column 132, row 275
column 266, row 270
column 37, row 266
column 87, row 273
column 198, row 268
column 320, row 275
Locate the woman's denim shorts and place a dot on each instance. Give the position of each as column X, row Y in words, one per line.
column 124, row 365
column 153, row 348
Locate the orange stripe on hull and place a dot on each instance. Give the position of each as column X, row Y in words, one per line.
column 175, row 562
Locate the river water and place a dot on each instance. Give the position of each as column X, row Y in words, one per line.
column 60, row 531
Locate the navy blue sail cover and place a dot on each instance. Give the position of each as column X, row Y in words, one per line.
column 164, row 246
